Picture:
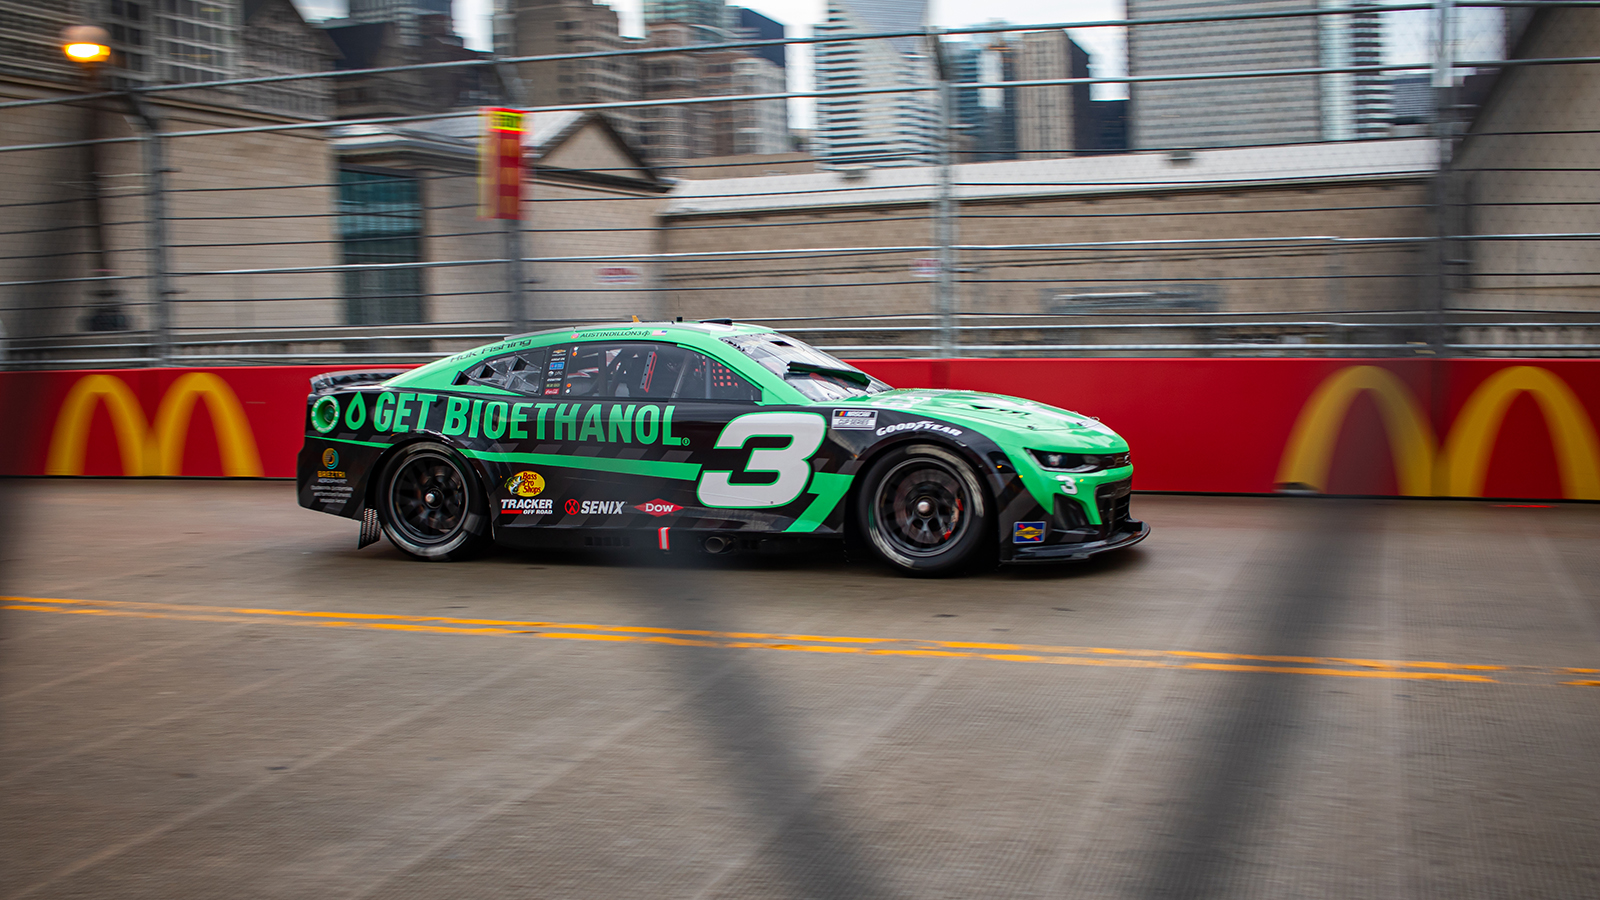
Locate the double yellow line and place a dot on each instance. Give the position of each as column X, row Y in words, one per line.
column 1409, row 670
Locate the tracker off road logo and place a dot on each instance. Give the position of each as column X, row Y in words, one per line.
column 525, row 484
column 527, row 506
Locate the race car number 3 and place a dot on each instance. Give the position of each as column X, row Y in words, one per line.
column 790, row 463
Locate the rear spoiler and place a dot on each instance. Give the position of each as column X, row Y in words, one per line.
column 331, row 381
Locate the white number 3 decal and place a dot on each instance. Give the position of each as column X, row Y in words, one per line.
column 792, row 464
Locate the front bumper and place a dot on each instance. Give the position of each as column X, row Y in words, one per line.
column 1126, row 533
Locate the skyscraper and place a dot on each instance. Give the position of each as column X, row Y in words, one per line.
column 711, row 16
column 551, row 27
column 753, row 25
column 986, row 118
column 878, row 129
column 1053, row 120
column 1226, row 112
column 403, row 13
column 671, row 133
column 1240, row 112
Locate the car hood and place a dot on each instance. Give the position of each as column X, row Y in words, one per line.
column 1037, row 424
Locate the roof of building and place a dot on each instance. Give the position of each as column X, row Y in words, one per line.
column 455, row 137
column 1066, row 176
column 360, row 44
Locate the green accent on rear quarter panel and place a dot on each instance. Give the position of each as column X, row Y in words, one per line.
column 359, row 443
column 829, row 488
column 649, row 468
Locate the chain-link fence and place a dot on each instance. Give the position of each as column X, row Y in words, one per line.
column 1263, row 178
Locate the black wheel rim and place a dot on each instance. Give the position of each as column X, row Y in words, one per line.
column 428, row 496
column 922, row 507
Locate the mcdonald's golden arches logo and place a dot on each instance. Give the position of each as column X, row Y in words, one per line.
column 1459, row 468
column 147, row 451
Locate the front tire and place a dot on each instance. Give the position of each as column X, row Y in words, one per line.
column 429, row 504
column 923, row 511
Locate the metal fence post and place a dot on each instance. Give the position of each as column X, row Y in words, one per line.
column 516, row 282
column 1443, row 129
column 155, row 174
column 945, row 214
column 516, row 306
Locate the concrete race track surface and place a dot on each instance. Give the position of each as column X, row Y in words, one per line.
column 208, row 692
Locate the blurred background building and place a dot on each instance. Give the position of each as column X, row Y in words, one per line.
column 1242, row 112
column 1300, row 214
column 874, row 129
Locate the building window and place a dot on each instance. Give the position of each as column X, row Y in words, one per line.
column 380, row 221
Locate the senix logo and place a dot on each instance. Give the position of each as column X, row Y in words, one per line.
column 597, row 507
column 616, row 423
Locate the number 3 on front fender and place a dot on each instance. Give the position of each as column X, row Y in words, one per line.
column 792, row 464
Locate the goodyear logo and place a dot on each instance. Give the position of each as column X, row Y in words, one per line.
column 525, row 484
column 1027, row 533
column 1460, row 466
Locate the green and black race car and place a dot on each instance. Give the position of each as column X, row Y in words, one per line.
column 714, row 435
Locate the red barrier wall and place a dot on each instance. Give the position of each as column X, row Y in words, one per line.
column 1498, row 428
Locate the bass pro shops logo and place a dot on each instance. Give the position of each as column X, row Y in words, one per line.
column 525, row 484
column 1460, row 467
column 157, row 450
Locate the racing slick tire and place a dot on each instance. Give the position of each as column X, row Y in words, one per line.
column 923, row 511
column 428, row 503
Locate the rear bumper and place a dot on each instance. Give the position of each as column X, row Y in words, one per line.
column 1128, row 532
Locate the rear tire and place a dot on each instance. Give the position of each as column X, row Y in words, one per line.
column 923, row 511
column 430, row 505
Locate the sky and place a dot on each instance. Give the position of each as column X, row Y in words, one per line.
column 1409, row 33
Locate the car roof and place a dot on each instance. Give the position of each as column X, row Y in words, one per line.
column 708, row 327
column 703, row 334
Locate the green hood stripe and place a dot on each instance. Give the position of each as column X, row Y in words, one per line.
column 650, row 468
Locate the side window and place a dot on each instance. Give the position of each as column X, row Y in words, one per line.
column 641, row 370
column 624, row 369
column 585, row 371
column 702, row 378
column 522, row 372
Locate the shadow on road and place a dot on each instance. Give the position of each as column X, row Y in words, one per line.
column 804, row 841
column 1241, row 753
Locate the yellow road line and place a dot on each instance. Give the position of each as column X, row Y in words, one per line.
column 804, row 643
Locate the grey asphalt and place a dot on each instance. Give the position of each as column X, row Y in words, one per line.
column 1271, row 697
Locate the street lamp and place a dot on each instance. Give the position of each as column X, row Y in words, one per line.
column 89, row 46
column 86, row 44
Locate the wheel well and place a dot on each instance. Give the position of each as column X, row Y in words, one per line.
column 370, row 496
column 876, row 453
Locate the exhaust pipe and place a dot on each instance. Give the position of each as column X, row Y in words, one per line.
column 717, row 544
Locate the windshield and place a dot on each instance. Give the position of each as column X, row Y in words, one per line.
column 776, row 351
